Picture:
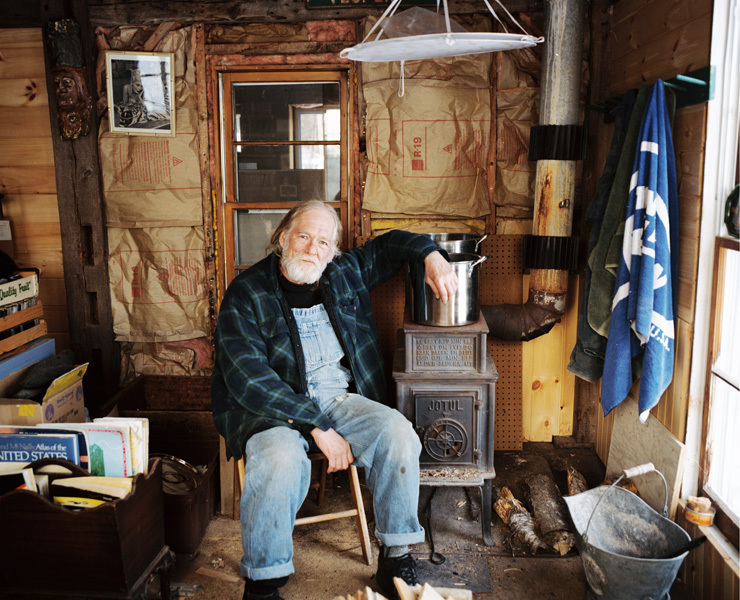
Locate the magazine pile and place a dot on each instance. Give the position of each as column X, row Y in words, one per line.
column 109, row 450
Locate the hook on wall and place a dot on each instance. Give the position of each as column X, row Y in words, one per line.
column 692, row 88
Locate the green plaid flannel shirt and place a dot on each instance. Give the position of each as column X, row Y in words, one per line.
column 259, row 377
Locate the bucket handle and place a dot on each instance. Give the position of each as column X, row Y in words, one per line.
column 475, row 264
column 478, row 243
column 630, row 473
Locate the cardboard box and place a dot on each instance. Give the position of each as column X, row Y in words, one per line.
column 19, row 289
column 63, row 401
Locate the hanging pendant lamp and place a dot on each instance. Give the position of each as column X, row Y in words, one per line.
column 438, row 44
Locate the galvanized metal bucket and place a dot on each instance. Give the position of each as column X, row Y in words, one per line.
column 629, row 551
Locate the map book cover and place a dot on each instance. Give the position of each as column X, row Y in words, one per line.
column 56, row 428
column 24, row 448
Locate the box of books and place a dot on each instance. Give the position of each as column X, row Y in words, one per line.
column 63, row 401
column 106, row 550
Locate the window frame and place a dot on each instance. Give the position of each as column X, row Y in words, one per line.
column 724, row 521
column 228, row 204
column 719, row 175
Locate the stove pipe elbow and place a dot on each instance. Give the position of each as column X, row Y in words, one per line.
column 524, row 322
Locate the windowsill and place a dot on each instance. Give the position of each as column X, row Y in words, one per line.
column 722, row 545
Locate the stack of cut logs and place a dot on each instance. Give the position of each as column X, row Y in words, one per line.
column 409, row 592
column 548, row 527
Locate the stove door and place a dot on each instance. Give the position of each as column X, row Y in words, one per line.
column 446, row 423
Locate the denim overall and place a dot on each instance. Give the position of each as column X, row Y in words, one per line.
column 278, row 472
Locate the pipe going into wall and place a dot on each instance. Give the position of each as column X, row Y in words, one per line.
column 556, row 144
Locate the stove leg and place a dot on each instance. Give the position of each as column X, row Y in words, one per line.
column 485, row 505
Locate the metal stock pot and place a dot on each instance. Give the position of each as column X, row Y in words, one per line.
column 458, row 243
column 462, row 309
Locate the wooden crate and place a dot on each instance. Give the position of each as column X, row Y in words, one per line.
column 181, row 425
column 48, row 550
column 27, row 335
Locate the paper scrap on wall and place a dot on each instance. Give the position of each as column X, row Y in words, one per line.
column 158, row 284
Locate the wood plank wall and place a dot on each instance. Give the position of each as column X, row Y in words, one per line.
column 27, row 176
column 658, row 39
column 631, row 43
column 647, row 41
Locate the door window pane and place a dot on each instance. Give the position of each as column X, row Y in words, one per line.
column 272, row 112
column 252, row 231
column 287, row 173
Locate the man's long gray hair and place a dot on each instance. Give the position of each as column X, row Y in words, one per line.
column 287, row 222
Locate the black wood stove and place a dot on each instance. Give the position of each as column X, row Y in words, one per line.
column 445, row 385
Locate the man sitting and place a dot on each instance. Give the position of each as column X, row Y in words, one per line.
column 298, row 362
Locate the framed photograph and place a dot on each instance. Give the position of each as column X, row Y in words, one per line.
column 141, row 86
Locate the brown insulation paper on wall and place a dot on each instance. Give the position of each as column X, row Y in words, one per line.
column 157, row 358
column 157, row 279
column 427, row 150
column 150, row 181
column 517, row 110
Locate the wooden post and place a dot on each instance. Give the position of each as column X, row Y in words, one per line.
column 84, row 240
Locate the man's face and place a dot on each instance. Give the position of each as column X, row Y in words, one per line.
column 307, row 247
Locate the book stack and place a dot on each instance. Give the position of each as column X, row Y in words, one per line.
column 112, row 450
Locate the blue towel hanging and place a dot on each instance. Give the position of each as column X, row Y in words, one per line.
column 641, row 331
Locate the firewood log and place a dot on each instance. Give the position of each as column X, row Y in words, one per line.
column 550, row 513
column 576, row 482
column 625, row 483
column 517, row 517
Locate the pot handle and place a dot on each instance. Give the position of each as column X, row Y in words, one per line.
column 478, row 243
column 475, row 264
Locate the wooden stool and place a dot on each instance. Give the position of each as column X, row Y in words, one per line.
column 358, row 511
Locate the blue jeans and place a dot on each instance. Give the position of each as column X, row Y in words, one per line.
column 278, row 475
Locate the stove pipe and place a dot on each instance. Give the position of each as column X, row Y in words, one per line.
column 556, row 144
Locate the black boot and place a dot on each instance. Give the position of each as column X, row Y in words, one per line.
column 263, row 589
column 388, row 568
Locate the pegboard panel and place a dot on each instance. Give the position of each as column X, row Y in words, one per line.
column 501, row 282
column 388, row 303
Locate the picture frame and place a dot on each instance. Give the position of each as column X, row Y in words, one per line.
column 140, row 89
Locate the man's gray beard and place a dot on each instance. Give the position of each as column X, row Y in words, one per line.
column 300, row 272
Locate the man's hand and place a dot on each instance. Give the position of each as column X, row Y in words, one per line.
column 439, row 276
column 334, row 447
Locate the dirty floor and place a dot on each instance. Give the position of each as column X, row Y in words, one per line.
column 329, row 563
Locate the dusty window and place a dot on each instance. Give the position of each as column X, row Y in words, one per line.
column 284, row 140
